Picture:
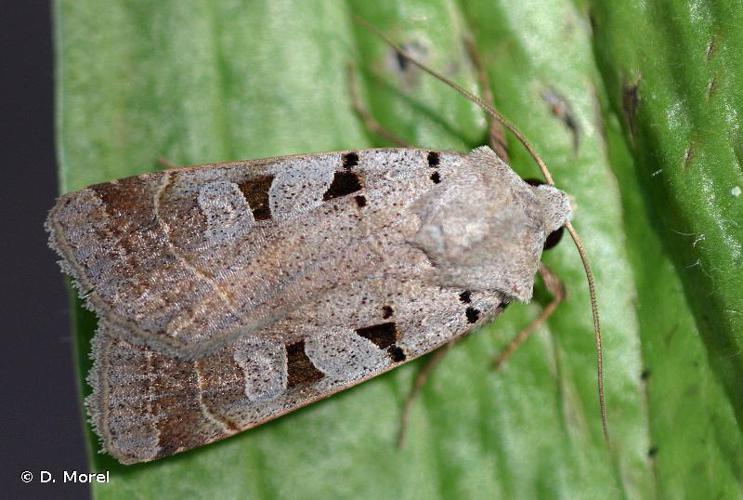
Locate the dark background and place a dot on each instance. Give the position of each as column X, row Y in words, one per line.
column 40, row 419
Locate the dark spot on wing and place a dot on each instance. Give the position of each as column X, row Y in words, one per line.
column 129, row 204
column 350, row 160
column 360, row 200
column 176, row 385
column 435, row 177
column 300, row 369
column 433, row 159
column 343, row 183
column 466, row 296
column 396, row 354
column 255, row 192
column 645, row 375
column 472, row 314
column 387, row 312
column 124, row 197
column 652, row 451
column 383, row 335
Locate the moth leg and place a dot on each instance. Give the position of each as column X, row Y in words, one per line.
column 167, row 163
column 497, row 135
column 420, row 380
column 365, row 116
column 557, row 289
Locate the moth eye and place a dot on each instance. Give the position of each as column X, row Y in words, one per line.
column 435, row 177
column 555, row 236
column 433, row 159
column 472, row 314
column 343, row 183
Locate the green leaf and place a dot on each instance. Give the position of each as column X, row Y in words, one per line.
column 202, row 81
column 676, row 85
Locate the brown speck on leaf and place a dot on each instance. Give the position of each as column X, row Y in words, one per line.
column 592, row 21
column 711, row 87
column 561, row 109
column 399, row 65
column 688, row 156
column 630, row 102
column 711, row 48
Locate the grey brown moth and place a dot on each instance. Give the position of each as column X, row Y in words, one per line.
column 230, row 294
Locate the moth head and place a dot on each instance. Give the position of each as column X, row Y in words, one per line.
column 483, row 227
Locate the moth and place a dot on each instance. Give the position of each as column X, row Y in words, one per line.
column 230, row 294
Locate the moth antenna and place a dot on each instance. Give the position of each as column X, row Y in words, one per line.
column 491, row 111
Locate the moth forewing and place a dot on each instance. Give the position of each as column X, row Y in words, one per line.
column 231, row 294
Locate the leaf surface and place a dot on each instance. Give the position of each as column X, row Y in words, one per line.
column 206, row 81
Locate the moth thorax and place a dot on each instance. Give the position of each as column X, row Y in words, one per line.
column 487, row 228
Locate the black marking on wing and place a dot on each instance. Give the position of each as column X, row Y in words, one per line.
column 350, row 160
column 435, row 177
column 300, row 370
column 383, row 335
column 472, row 314
column 387, row 312
column 466, row 297
column 255, row 192
column 433, row 159
column 360, row 200
column 344, row 183
column 396, row 354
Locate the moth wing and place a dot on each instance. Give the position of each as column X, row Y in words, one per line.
column 186, row 259
column 147, row 404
